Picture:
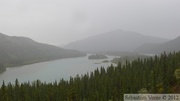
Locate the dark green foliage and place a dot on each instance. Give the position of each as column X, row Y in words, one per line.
column 151, row 75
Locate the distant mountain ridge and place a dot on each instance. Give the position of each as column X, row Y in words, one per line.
column 117, row 40
column 22, row 50
column 170, row 46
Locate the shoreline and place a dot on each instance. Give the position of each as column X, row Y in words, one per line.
column 33, row 62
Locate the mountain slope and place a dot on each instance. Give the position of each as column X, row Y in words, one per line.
column 170, row 46
column 146, row 48
column 21, row 50
column 117, row 40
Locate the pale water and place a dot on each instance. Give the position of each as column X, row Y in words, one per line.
column 52, row 70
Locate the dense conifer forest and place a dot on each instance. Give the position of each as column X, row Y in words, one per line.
column 151, row 75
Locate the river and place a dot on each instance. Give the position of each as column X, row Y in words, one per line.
column 52, row 70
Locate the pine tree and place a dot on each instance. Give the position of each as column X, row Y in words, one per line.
column 3, row 92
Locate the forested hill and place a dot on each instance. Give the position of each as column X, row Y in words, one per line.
column 170, row 46
column 21, row 50
column 117, row 40
column 153, row 75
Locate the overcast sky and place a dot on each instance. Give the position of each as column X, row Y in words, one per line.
column 64, row 21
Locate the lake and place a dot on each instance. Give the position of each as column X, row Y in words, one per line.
column 52, row 70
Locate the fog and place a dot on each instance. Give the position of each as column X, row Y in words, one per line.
column 59, row 22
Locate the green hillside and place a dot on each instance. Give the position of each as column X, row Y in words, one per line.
column 21, row 50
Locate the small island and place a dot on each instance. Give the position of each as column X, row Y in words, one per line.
column 97, row 56
column 105, row 61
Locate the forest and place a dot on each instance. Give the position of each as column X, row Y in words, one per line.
column 155, row 75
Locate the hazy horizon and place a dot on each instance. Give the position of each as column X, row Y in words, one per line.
column 60, row 22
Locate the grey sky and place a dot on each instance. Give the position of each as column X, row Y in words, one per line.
column 64, row 21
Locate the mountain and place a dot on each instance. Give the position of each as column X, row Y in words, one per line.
column 21, row 50
column 170, row 46
column 146, row 48
column 117, row 40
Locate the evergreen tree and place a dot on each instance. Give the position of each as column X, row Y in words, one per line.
column 151, row 75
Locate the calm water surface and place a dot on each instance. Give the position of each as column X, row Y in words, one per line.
column 52, row 70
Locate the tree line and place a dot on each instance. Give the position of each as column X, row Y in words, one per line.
column 149, row 75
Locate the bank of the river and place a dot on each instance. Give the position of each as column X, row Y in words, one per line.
column 29, row 63
column 49, row 71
